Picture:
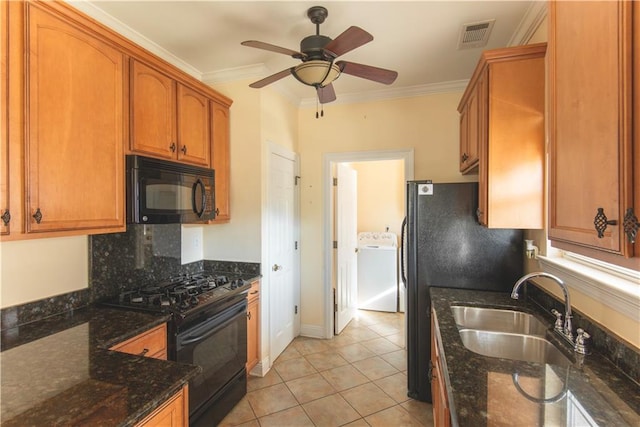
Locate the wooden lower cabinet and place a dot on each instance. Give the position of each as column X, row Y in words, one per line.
column 441, row 415
column 152, row 343
column 173, row 413
column 253, row 326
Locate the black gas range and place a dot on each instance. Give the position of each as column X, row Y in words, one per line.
column 208, row 328
column 184, row 296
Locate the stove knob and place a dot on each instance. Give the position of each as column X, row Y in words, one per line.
column 234, row 284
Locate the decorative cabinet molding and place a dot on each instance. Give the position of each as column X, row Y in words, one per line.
column 502, row 133
column 594, row 153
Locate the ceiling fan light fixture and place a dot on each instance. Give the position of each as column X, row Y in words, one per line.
column 317, row 72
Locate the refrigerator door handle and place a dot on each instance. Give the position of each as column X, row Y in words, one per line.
column 403, row 273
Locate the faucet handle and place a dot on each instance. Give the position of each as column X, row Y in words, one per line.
column 581, row 344
column 558, row 326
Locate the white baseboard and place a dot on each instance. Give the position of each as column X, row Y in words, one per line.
column 313, row 331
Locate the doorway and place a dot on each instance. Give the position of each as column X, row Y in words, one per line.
column 366, row 160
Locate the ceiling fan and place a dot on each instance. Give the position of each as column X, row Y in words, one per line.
column 318, row 53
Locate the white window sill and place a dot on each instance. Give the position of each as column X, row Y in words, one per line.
column 616, row 288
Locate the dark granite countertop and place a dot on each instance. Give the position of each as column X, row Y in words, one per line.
column 59, row 371
column 482, row 390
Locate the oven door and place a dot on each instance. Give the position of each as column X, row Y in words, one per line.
column 219, row 346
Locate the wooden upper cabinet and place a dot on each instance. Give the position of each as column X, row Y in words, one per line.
column 505, row 127
column 168, row 119
column 76, row 126
column 194, row 140
column 592, row 106
column 220, row 160
column 470, row 125
column 5, row 212
column 153, row 112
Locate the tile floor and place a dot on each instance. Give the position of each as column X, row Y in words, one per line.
column 357, row 379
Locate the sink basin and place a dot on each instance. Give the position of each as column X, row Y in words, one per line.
column 527, row 348
column 498, row 320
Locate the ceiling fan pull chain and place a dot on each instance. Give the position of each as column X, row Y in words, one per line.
column 317, row 116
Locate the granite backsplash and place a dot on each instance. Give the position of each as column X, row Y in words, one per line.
column 141, row 256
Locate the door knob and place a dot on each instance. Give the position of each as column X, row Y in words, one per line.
column 276, row 267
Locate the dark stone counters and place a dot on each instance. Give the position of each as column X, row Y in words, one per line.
column 59, row 371
column 482, row 390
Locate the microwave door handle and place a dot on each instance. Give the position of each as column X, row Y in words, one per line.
column 200, row 184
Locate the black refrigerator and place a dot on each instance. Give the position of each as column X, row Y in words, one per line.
column 445, row 246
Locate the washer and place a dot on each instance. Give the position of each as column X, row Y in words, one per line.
column 378, row 271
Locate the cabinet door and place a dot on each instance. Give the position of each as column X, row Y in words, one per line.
column 470, row 130
column 590, row 132
column 4, row 125
column 173, row 413
column 253, row 317
column 193, row 127
column 153, row 112
column 74, row 148
column 221, row 161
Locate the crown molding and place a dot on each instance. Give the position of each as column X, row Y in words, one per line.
column 536, row 13
column 123, row 29
column 253, row 71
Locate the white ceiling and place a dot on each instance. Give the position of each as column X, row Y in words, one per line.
column 418, row 39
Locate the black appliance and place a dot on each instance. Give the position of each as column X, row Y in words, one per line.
column 164, row 192
column 208, row 328
column 444, row 246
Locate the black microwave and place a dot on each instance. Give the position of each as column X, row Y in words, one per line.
column 165, row 192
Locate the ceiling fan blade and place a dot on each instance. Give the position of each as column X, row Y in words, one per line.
column 273, row 48
column 368, row 72
column 326, row 94
column 350, row 39
column 272, row 78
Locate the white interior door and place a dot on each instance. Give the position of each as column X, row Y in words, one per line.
column 282, row 253
column 347, row 237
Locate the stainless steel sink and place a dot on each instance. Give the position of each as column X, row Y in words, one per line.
column 498, row 320
column 523, row 347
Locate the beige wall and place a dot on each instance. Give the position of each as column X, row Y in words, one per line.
column 381, row 189
column 428, row 124
column 40, row 268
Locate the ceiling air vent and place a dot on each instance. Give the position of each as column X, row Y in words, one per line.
column 475, row 34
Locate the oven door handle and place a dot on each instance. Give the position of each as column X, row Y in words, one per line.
column 221, row 321
column 191, row 340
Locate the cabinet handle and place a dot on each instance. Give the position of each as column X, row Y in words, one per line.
column 276, row 267
column 37, row 216
column 601, row 222
column 6, row 217
column 173, row 147
column 217, row 211
column 249, row 315
column 464, row 157
column 184, row 149
column 254, row 292
column 630, row 224
column 143, row 352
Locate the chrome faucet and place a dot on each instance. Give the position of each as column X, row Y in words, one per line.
column 565, row 330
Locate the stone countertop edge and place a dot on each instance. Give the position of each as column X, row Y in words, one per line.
column 606, row 393
column 149, row 382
